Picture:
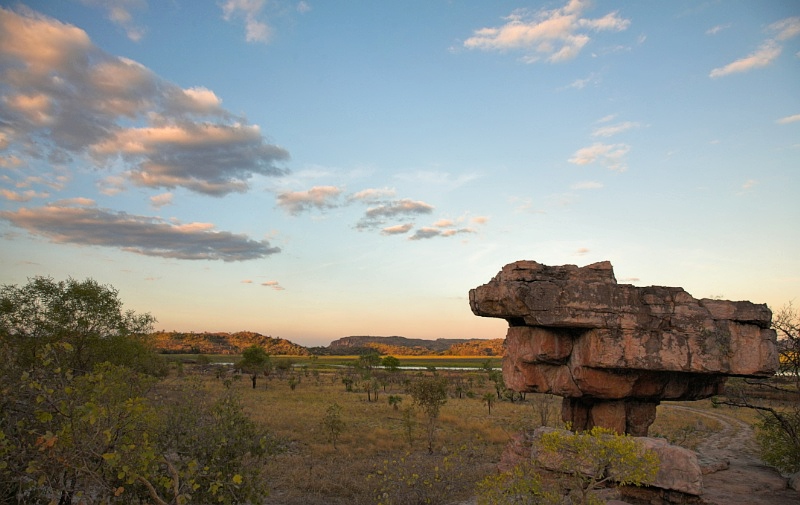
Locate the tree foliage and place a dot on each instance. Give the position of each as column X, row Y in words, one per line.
column 255, row 361
column 83, row 418
column 332, row 423
column 779, row 428
column 581, row 462
column 85, row 314
column 429, row 393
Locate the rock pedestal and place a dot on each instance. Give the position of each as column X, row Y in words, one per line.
column 614, row 351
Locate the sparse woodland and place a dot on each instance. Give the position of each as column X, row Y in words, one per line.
column 90, row 414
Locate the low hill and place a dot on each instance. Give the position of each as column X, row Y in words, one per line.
column 415, row 346
column 174, row 342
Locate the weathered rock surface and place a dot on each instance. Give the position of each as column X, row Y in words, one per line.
column 679, row 469
column 614, row 351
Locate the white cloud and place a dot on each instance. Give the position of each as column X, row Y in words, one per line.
column 787, row 28
column 768, row 52
column 66, row 224
column 373, row 195
column 376, row 216
column 274, row 285
column 431, row 232
column 161, row 200
column 444, row 223
column 556, row 35
column 716, row 29
column 789, row 119
column 318, row 197
column 609, row 155
column 119, row 13
column 587, row 185
column 119, row 114
column 611, row 130
column 24, row 196
column 398, row 229
column 765, row 55
column 255, row 29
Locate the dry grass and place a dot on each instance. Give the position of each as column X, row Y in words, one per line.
column 373, row 461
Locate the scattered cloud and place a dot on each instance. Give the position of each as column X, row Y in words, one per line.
column 479, row 220
column 318, row 197
column 303, row 7
column 376, row 216
column 582, row 251
column 747, row 186
column 116, row 113
column 716, row 29
column 148, row 236
column 373, row 195
column 789, row 119
column 119, row 13
column 593, row 79
column 768, row 52
column 247, row 281
column 762, row 57
column 431, row 232
column 630, row 279
column 161, row 200
column 256, row 30
column 610, row 155
column 24, row 196
column 556, row 35
column 444, row 223
column 434, row 178
column 524, row 205
column 586, row 185
column 611, row 130
column 398, row 229
column 274, row 285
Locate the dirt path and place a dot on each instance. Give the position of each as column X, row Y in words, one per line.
column 736, row 475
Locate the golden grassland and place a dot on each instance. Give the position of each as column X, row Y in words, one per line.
column 373, row 461
column 435, row 361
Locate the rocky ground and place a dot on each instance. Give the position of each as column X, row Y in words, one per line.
column 733, row 472
column 734, row 475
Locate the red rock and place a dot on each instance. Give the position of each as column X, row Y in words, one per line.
column 614, row 351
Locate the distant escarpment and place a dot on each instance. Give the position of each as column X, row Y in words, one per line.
column 174, row 342
column 414, row 346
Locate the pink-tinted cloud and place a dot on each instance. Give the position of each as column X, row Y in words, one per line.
column 148, row 236
column 556, row 35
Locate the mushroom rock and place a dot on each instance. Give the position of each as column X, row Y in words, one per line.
column 614, row 351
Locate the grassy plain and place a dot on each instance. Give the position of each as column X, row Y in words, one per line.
column 374, row 461
column 435, row 361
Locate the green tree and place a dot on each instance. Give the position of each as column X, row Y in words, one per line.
column 81, row 421
column 391, row 363
column 582, row 463
column 332, row 423
column 488, row 400
column 395, row 400
column 429, row 393
column 779, row 428
column 85, row 314
column 590, row 459
column 255, row 361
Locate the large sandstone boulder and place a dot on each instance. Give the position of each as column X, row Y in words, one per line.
column 614, row 351
column 678, row 469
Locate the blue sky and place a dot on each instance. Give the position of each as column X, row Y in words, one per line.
column 315, row 169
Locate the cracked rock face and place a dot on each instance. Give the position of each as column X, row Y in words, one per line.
column 614, row 351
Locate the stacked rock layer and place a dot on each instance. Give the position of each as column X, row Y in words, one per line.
column 614, row 351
